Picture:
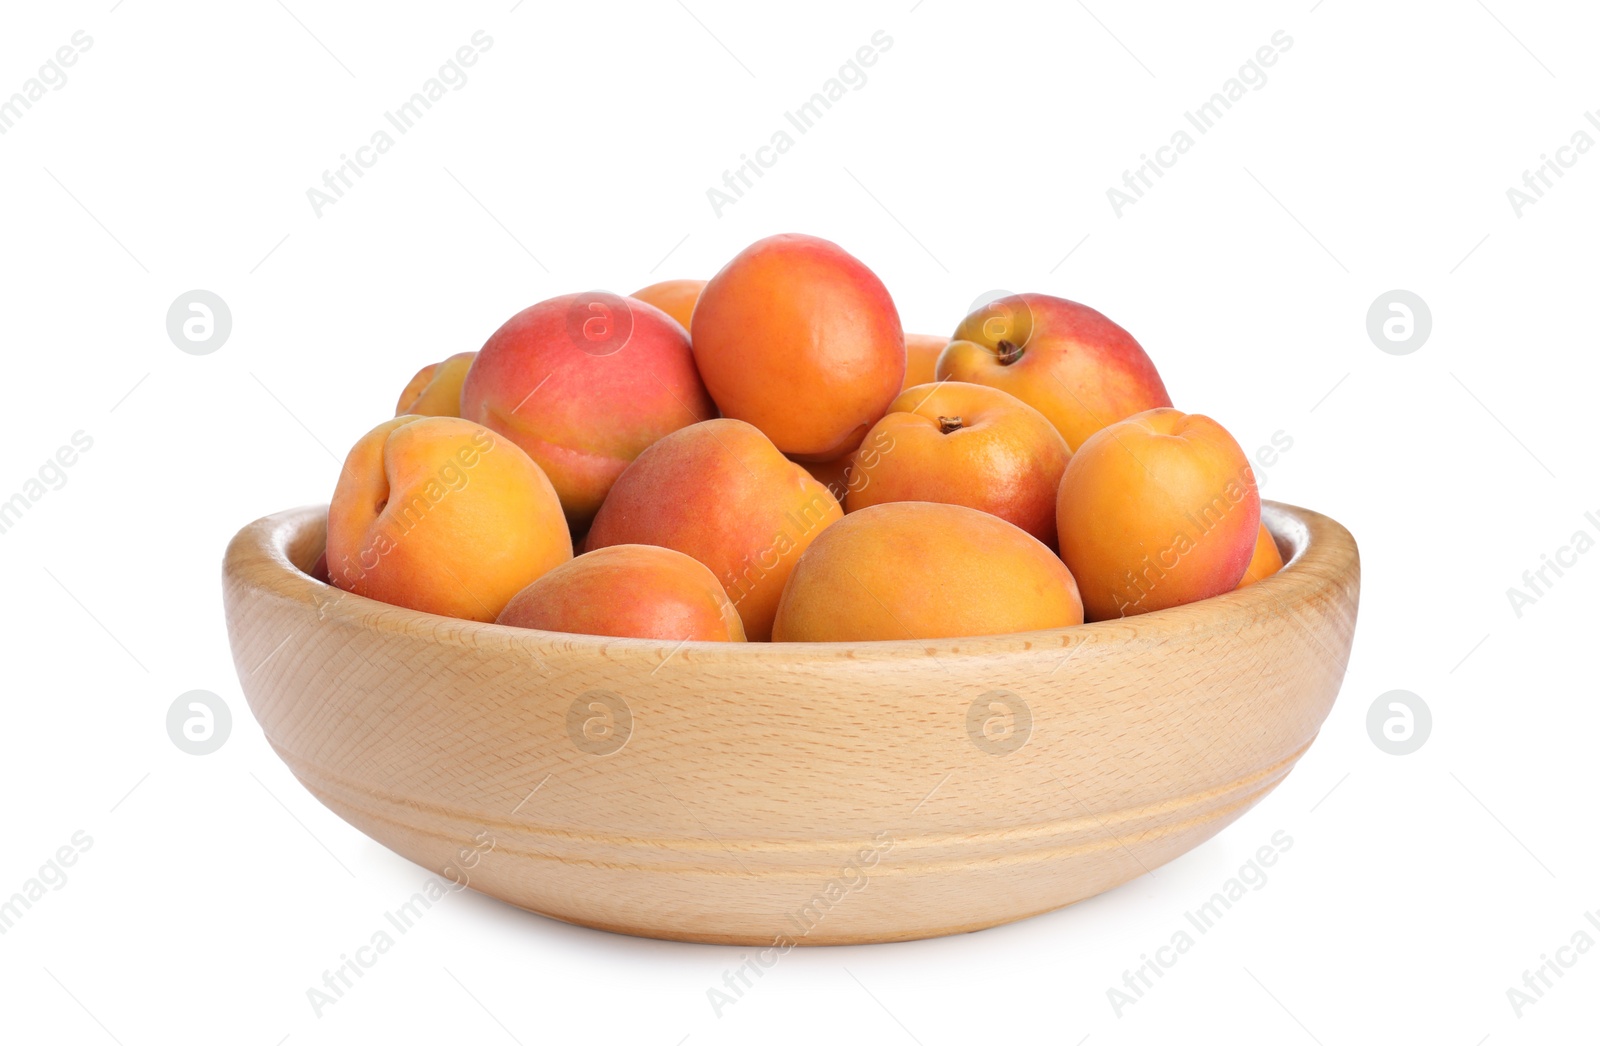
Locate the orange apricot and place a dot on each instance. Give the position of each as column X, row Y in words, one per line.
column 1157, row 510
column 921, row 570
column 720, row 491
column 964, row 444
column 1265, row 561
column 642, row 591
column 442, row 515
column 676, row 298
column 922, row 358
column 1066, row 360
column 802, row 341
column 436, row 389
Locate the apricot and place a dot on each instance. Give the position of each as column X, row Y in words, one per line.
column 676, row 298
column 1157, row 510
column 840, row 475
column 922, row 358
column 436, row 389
column 802, row 341
column 1265, row 561
column 442, row 515
column 965, row 444
column 642, row 591
column 920, row 570
column 835, row 474
column 721, row 492
column 583, row 383
column 1066, row 360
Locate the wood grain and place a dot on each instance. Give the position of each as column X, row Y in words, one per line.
column 790, row 793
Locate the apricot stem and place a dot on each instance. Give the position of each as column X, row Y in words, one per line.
column 1009, row 353
column 949, row 425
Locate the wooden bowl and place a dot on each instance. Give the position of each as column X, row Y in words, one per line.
column 790, row 793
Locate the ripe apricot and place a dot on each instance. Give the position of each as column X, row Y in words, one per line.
column 965, row 444
column 583, row 383
column 643, row 591
column 1066, row 360
column 720, row 491
column 802, row 341
column 835, row 474
column 676, row 298
column 922, row 358
column 442, row 515
column 1265, row 561
column 1157, row 510
column 840, row 475
column 436, row 389
column 921, row 570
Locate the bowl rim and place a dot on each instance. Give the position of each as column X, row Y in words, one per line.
column 1321, row 554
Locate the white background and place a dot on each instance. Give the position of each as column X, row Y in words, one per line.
column 976, row 156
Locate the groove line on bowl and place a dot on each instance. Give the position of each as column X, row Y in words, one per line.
column 387, row 808
column 1146, row 840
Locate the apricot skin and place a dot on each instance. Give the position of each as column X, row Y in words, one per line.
column 720, row 491
column 841, row 475
column 1157, row 510
column 639, row 591
column 1265, row 561
column 920, row 570
column 835, row 474
column 436, row 389
column 442, row 515
column 802, row 341
column 583, row 383
column 922, row 359
column 676, row 298
column 999, row 455
column 1069, row 362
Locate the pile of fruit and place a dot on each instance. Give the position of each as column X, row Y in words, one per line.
column 768, row 456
